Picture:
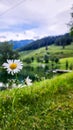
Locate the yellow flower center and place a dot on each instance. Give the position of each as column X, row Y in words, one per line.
column 13, row 66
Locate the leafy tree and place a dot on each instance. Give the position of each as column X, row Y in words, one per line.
column 56, row 60
column 40, row 59
column 71, row 31
column 52, row 65
column 28, row 60
column 32, row 59
column 71, row 23
column 67, row 64
column 63, row 40
column 46, row 58
column 7, row 52
column 71, row 66
column 46, row 47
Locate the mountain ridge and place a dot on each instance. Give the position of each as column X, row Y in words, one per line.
column 62, row 40
column 20, row 43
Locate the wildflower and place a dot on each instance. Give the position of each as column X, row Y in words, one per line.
column 2, row 86
column 28, row 81
column 13, row 66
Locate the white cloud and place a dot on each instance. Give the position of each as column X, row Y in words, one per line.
column 17, row 36
column 37, row 18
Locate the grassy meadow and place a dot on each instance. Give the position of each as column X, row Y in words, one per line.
column 63, row 62
column 53, row 50
column 34, row 60
column 47, row 104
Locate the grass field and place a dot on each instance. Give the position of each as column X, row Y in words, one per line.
column 46, row 105
column 52, row 51
column 63, row 62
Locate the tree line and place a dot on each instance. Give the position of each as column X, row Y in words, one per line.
column 61, row 40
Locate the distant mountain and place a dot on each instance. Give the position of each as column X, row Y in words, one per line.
column 19, row 44
column 62, row 40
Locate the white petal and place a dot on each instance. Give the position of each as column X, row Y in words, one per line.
column 5, row 65
column 10, row 61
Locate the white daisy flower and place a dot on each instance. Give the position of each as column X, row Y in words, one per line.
column 13, row 66
column 1, row 84
column 28, row 81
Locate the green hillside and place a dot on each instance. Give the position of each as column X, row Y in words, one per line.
column 62, row 40
column 64, row 60
column 53, row 50
column 46, row 105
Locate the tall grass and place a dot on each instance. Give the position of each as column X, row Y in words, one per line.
column 43, row 106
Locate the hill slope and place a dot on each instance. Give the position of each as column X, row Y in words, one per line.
column 53, row 50
column 44, row 106
column 62, row 40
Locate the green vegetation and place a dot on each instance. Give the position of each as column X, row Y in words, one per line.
column 45, row 60
column 61, row 40
column 7, row 52
column 64, row 60
column 46, row 105
column 53, row 50
column 71, row 23
column 38, row 63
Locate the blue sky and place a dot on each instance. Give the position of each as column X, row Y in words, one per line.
column 33, row 19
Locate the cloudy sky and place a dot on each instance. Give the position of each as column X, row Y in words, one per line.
column 33, row 19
